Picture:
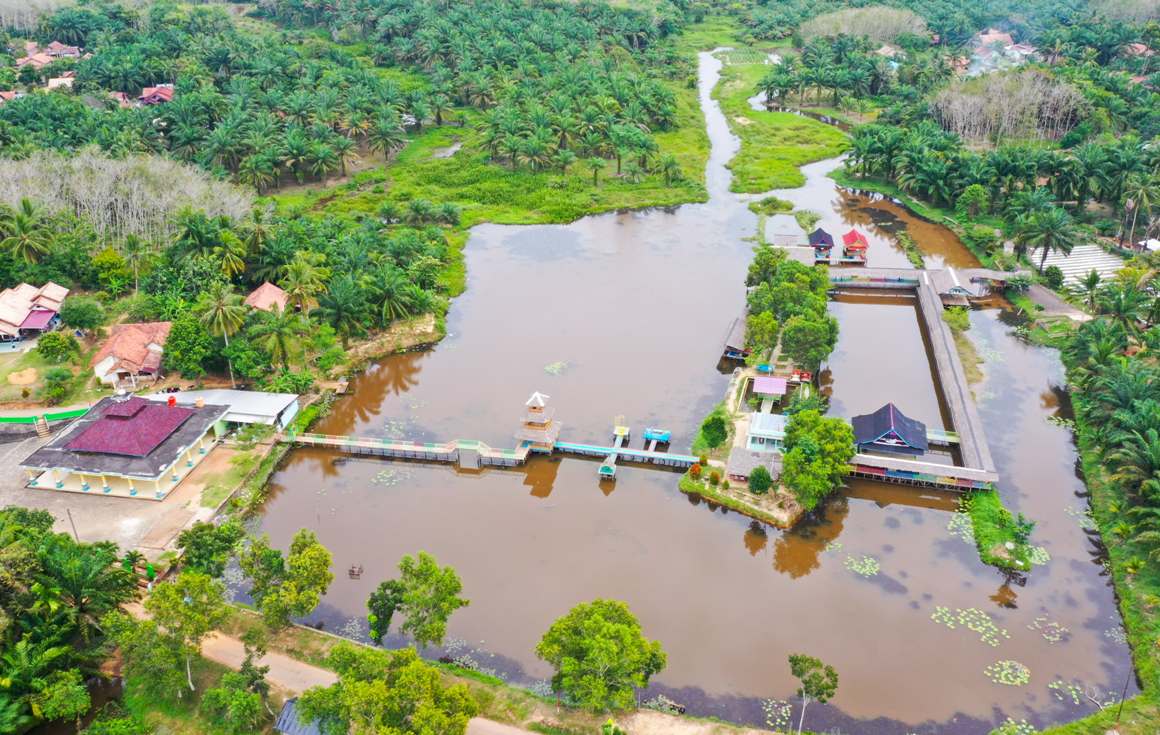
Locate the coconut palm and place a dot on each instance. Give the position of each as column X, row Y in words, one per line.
column 23, row 232
column 304, row 278
column 223, row 313
column 1051, row 230
column 1089, row 286
column 277, row 332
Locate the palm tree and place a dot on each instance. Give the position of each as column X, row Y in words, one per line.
column 223, row 313
column 24, row 234
column 343, row 306
column 1052, row 230
column 1089, row 286
column 1140, row 193
column 135, row 251
column 277, row 331
column 304, row 278
column 1137, row 463
column 670, row 169
column 86, row 584
column 1124, row 303
column 595, row 165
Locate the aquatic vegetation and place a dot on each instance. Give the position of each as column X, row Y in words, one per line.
column 1117, row 634
column 1082, row 516
column 961, row 527
column 1009, row 673
column 556, row 368
column 541, row 688
column 777, row 713
column 972, row 619
column 833, row 547
column 388, row 478
column 661, row 703
column 864, row 566
column 1064, row 691
column 1061, row 421
column 1011, row 727
column 1038, row 555
column 1052, row 631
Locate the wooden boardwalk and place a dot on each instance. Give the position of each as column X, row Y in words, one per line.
column 978, row 466
column 469, row 453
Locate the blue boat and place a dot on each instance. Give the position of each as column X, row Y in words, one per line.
column 659, row 435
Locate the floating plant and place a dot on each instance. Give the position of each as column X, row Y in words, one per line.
column 541, row 688
column 1117, row 634
column 387, row 478
column 555, row 368
column 865, row 566
column 1011, row 727
column 1064, row 691
column 1082, row 516
column 1009, row 673
column 777, row 713
column 1061, row 421
column 833, row 546
column 1051, row 631
column 1038, row 555
column 972, row 619
column 960, row 526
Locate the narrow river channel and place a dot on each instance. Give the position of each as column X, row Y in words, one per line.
column 625, row 314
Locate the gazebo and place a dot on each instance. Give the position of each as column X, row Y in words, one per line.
column 854, row 245
column 822, row 242
column 889, row 430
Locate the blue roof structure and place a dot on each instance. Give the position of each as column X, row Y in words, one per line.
column 888, row 429
column 289, row 724
column 821, row 238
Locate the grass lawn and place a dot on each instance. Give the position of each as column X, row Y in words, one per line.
column 773, row 144
column 22, row 372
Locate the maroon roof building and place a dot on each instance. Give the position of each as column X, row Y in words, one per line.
column 126, row 445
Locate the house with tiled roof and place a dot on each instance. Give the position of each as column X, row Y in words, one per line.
column 8, row 95
column 132, row 354
column 127, row 446
column 268, row 297
column 59, row 50
column 156, row 95
column 36, row 61
column 27, row 310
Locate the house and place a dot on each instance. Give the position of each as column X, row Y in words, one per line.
column 268, row 297
column 742, row 462
column 242, row 406
column 288, row 722
column 992, row 37
column 766, row 432
column 58, row 50
column 735, row 348
column 887, row 51
column 65, row 81
column 36, row 61
column 156, row 95
column 27, row 310
column 769, row 388
column 888, row 430
column 6, row 95
column 1138, row 49
column 132, row 353
column 126, row 446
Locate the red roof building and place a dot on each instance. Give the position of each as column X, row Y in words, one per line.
column 854, row 240
column 268, row 297
column 156, row 95
column 133, row 428
column 132, row 353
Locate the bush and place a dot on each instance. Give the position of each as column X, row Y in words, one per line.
column 957, row 318
column 1054, row 277
column 714, row 431
column 725, row 484
column 57, row 385
column 82, row 313
column 760, row 480
column 714, row 477
column 695, row 472
column 58, row 347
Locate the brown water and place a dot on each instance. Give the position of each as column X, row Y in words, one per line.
column 629, row 311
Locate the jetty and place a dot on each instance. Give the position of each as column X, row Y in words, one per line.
column 537, row 434
column 934, row 291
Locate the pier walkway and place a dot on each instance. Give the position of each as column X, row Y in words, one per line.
column 978, row 466
column 472, row 454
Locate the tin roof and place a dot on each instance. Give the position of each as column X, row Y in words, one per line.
column 769, row 386
column 870, row 427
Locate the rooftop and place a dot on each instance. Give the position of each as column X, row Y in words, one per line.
column 769, row 386
column 131, row 437
column 128, row 345
column 768, row 425
column 268, row 297
column 889, row 421
column 243, row 406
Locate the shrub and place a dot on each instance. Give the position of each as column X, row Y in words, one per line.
column 725, row 484
column 957, row 318
column 714, row 477
column 82, row 313
column 1054, row 277
column 695, row 472
column 760, row 480
column 57, row 384
column 714, row 431
column 57, row 347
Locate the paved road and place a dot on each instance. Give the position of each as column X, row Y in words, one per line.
column 294, row 677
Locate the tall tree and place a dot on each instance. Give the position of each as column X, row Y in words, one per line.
column 222, row 312
column 187, row 609
column 426, row 593
column 819, row 681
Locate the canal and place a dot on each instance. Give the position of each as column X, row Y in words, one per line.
column 624, row 314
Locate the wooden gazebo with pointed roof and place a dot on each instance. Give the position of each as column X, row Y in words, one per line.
column 539, row 429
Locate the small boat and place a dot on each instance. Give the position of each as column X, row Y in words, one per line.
column 658, row 435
